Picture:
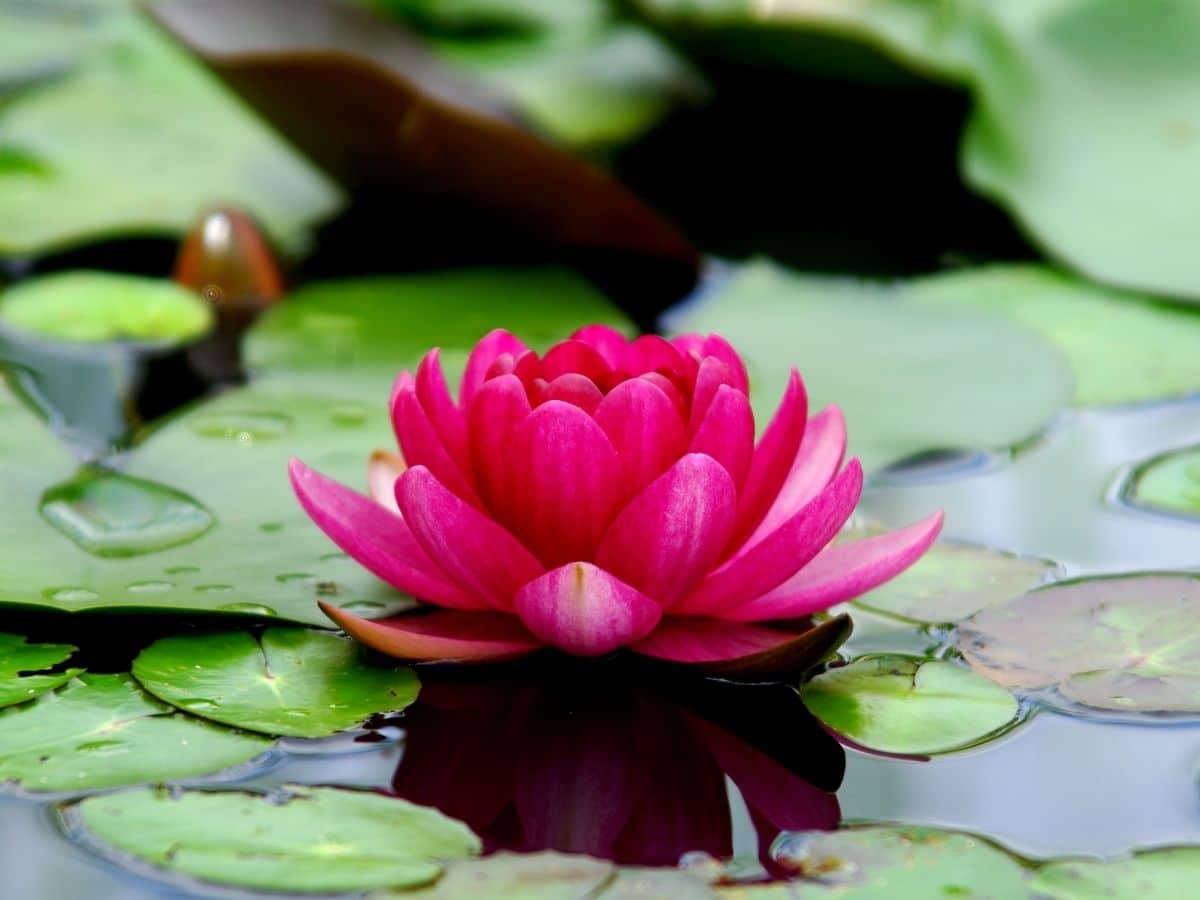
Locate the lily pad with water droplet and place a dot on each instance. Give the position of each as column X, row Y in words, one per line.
column 1168, row 874
column 21, row 663
column 103, row 731
column 1170, row 482
column 284, row 681
column 902, row 704
column 1129, row 643
column 312, row 840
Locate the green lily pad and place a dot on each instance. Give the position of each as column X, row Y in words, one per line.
column 891, row 863
column 118, row 158
column 901, row 704
column 945, row 381
column 1170, row 482
column 527, row 876
column 103, row 731
column 1129, row 643
column 20, row 662
column 91, row 307
column 314, row 840
column 284, row 681
column 1153, row 875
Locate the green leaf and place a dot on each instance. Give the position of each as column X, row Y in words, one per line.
column 284, row 681
column 93, row 307
column 103, row 731
column 19, row 663
column 1129, row 643
column 1170, row 482
column 900, row 704
column 314, row 840
column 526, row 876
column 1152, row 875
column 119, row 157
column 909, row 379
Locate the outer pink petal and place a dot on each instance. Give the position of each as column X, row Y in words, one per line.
column 703, row 346
column 651, row 353
column 773, row 459
column 712, row 374
column 645, row 429
column 471, row 548
column 498, row 409
column 567, row 483
column 490, row 347
column 423, row 446
column 576, row 357
column 447, row 419
column 378, row 539
column 581, row 609
column 727, row 432
column 818, row 460
column 382, row 471
column 605, row 340
column 578, row 390
column 673, row 532
column 760, row 567
column 842, row 571
column 442, row 636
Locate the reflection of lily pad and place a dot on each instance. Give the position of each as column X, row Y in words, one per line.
column 900, row 704
column 1169, row 482
column 1168, row 874
column 527, row 876
column 288, row 681
column 1129, row 643
column 944, row 382
column 316, row 840
column 20, row 662
column 103, row 731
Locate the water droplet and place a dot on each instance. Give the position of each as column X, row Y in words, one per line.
column 256, row 609
column 100, row 746
column 293, row 576
column 363, row 606
column 70, row 595
column 149, row 587
column 213, row 588
column 349, row 415
column 113, row 515
column 196, row 704
column 181, row 570
column 244, row 427
column 271, row 527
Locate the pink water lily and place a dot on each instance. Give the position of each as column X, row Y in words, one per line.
column 607, row 494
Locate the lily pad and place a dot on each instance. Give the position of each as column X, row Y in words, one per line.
column 1170, row 482
column 103, row 731
column 945, row 381
column 92, row 307
column 528, row 876
column 20, row 663
column 1153, row 875
column 312, row 840
column 284, row 681
column 1129, row 643
column 901, row 704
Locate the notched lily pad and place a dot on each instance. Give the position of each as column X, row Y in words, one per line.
column 901, row 704
column 20, row 663
column 1166, row 874
column 103, row 731
column 310, row 840
column 284, row 681
column 1170, row 483
column 1129, row 643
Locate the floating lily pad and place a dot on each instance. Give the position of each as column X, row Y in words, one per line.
column 313, row 840
column 1166, row 874
column 527, row 876
column 91, row 307
column 1170, row 482
column 1129, row 643
column 901, row 704
column 103, row 731
column 285, row 681
column 945, row 381
column 20, row 663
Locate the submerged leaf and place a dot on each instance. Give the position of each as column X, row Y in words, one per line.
column 528, row 876
column 1165, row 874
column 20, row 663
column 1170, row 483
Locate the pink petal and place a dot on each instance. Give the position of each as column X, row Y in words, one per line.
column 758, row 568
column 606, row 341
column 576, row 357
column 818, row 460
column 490, row 347
column 447, row 419
column 673, row 532
column 499, row 407
column 645, row 429
column 583, row 610
column 712, row 374
column 773, row 459
column 441, row 636
column 726, row 432
column 471, row 548
column 378, row 539
column 578, row 390
column 702, row 347
column 842, row 571
column 567, row 483
column 422, row 445
column 501, row 365
column 382, row 471
column 651, row 353
column 668, row 387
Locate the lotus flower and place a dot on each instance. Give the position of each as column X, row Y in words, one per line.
column 608, row 494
